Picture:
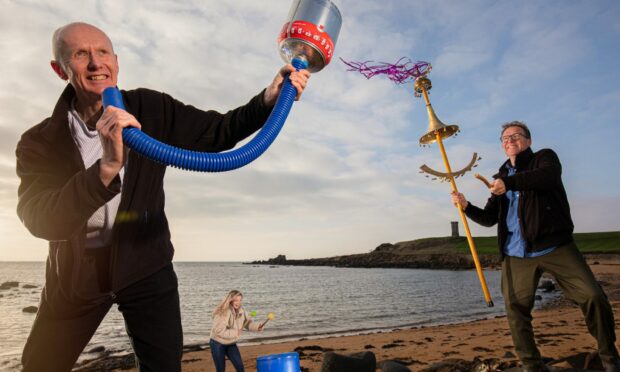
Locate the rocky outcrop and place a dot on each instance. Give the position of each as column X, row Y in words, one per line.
column 432, row 253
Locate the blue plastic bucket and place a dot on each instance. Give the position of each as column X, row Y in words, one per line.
column 285, row 362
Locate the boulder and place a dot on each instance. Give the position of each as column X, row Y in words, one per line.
column 9, row 285
column 392, row 366
column 546, row 285
column 358, row 362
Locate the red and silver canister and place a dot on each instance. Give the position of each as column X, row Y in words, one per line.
column 310, row 32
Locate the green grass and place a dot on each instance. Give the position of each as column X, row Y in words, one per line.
column 602, row 242
column 597, row 242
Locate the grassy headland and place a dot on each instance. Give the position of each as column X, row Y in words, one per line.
column 594, row 242
column 443, row 253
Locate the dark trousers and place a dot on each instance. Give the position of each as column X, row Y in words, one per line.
column 152, row 316
column 220, row 351
column 520, row 278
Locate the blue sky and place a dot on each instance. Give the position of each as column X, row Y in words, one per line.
column 342, row 177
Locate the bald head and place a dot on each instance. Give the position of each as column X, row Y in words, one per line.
column 59, row 44
column 84, row 57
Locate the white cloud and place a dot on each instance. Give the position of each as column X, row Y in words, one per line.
column 342, row 177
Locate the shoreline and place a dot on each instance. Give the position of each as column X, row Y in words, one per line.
column 560, row 333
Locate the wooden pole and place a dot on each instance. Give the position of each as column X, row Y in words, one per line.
column 470, row 240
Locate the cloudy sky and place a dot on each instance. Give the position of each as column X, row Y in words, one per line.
column 342, row 177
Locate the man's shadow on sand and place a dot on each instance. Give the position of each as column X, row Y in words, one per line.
column 584, row 361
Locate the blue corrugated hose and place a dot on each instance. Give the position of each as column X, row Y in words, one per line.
column 207, row 161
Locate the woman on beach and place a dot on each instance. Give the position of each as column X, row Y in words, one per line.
column 229, row 319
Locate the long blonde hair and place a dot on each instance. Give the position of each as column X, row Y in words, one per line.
column 224, row 306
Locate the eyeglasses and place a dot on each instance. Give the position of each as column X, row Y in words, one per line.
column 513, row 137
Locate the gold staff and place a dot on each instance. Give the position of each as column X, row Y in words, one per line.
column 436, row 132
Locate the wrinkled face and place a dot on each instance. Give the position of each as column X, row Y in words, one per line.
column 88, row 60
column 236, row 302
column 514, row 141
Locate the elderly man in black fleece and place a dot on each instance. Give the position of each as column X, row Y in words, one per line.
column 101, row 207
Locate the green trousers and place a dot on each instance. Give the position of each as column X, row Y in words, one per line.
column 520, row 278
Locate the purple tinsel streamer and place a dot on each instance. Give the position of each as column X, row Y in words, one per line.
column 399, row 72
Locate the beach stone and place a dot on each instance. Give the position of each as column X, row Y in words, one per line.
column 392, row 366
column 476, row 365
column 389, row 346
column 9, row 285
column 107, row 363
column 29, row 286
column 546, row 285
column 30, row 309
column 487, row 365
column 450, row 365
column 97, row 349
column 359, row 362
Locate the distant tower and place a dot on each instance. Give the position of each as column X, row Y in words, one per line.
column 455, row 229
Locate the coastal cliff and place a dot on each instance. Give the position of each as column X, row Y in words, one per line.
column 430, row 253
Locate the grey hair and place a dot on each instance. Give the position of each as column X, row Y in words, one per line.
column 519, row 124
column 57, row 47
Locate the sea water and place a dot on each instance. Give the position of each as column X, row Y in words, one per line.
column 308, row 302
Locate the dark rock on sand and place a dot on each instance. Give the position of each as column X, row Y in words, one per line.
column 194, row 347
column 389, row 346
column 393, row 366
column 311, row 347
column 546, row 285
column 29, row 286
column 96, row 349
column 9, row 285
column 359, row 362
column 476, row 365
column 482, row 349
column 30, row 309
column 107, row 363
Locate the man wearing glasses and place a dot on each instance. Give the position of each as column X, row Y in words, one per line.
column 535, row 235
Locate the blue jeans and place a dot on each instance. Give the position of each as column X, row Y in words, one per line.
column 220, row 351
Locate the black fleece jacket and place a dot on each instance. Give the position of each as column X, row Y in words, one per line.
column 544, row 212
column 57, row 194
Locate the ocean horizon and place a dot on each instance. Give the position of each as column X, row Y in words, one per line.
column 307, row 301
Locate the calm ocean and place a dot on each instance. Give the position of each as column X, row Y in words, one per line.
column 306, row 301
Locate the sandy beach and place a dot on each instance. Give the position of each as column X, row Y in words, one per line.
column 560, row 333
